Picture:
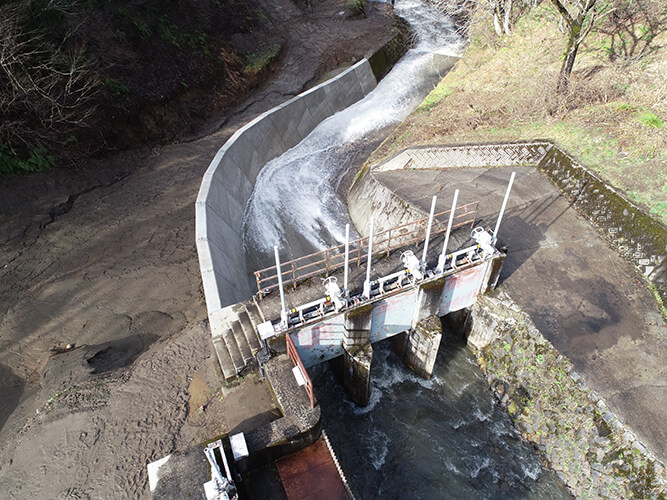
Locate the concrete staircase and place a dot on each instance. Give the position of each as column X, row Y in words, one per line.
column 236, row 342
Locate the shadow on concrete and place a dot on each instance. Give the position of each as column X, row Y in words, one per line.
column 263, row 484
column 11, row 389
column 256, row 421
column 528, row 224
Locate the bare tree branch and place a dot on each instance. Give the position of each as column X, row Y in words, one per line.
column 47, row 87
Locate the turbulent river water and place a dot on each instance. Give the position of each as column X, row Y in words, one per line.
column 441, row 438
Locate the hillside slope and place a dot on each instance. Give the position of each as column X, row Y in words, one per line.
column 613, row 120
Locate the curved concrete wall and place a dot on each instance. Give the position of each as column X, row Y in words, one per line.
column 230, row 178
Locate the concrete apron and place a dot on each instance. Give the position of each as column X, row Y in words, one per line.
column 580, row 293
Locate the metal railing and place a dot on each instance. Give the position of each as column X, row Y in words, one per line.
column 331, row 259
column 296, row 359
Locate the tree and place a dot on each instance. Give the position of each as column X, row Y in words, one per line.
column 632, row 27
column 579, row 20
column 461, row 12
column 48, row 84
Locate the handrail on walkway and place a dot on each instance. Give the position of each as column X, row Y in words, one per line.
column 326, row 261
column 296, row 359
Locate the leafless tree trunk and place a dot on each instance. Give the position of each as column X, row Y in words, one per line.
column 578, row 20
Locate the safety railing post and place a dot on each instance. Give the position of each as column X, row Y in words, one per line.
column 443, row 255
column 283, row 309
column 502, row 209
column 367, row 283
column 388, row 242
column 347, row 259
column 428, row 232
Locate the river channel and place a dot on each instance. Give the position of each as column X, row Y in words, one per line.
column 440, row 438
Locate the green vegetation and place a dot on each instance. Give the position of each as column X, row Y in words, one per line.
column 255, row 63
column 37, row 160
column 610, row 118
column 436, row 95
column 116, row 87
column 356, row 8
column 649, row 119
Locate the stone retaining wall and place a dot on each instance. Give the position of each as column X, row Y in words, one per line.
column 594, row 453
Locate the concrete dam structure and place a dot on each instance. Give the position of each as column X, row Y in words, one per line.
column 229, row 181
column 317, row 322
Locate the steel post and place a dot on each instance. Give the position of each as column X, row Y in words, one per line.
column 347, row 259
column 502, row 209
column 443, row 255
column 283, row 308
column 367, row 283
column 428, row 232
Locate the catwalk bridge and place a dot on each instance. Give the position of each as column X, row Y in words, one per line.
column 339, row 301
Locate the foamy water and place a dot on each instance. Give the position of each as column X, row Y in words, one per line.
column 443, row 438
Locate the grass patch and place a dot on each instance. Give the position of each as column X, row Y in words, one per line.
column 356, row 8
column 503, row 89
column 256, row 62
column 648, row 118
column 116, row 87
column 38, row 159
column 437, row 94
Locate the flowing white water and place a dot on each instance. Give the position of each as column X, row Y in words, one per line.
column 438, row 438
column 295, row 203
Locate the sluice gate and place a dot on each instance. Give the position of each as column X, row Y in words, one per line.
column 327, row 305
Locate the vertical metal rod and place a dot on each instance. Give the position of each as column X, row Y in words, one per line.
column 502, row 209
column 347, row 258
column 283, row 309
column 428, row 230
column 367, row 283
column 451, row 221
column 443, row 255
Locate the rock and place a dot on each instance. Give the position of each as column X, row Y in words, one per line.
column 616, row 425
column 601, row 442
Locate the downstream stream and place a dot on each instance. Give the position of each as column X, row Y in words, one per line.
column 441, row 438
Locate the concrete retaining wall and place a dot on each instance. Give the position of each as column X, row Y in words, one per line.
column 229, row 180
column 370, row 198
column 639, row 238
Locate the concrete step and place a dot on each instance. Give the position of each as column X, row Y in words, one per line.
column 254, row 314
column 241, row 342
column 233, row 348
column 249, row 330
column 228, row 369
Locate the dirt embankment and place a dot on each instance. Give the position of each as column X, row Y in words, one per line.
column 104, row 258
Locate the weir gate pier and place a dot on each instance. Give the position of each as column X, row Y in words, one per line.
column 338, row 302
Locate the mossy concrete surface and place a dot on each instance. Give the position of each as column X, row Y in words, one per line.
column 577, row 435
column 422, row 344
